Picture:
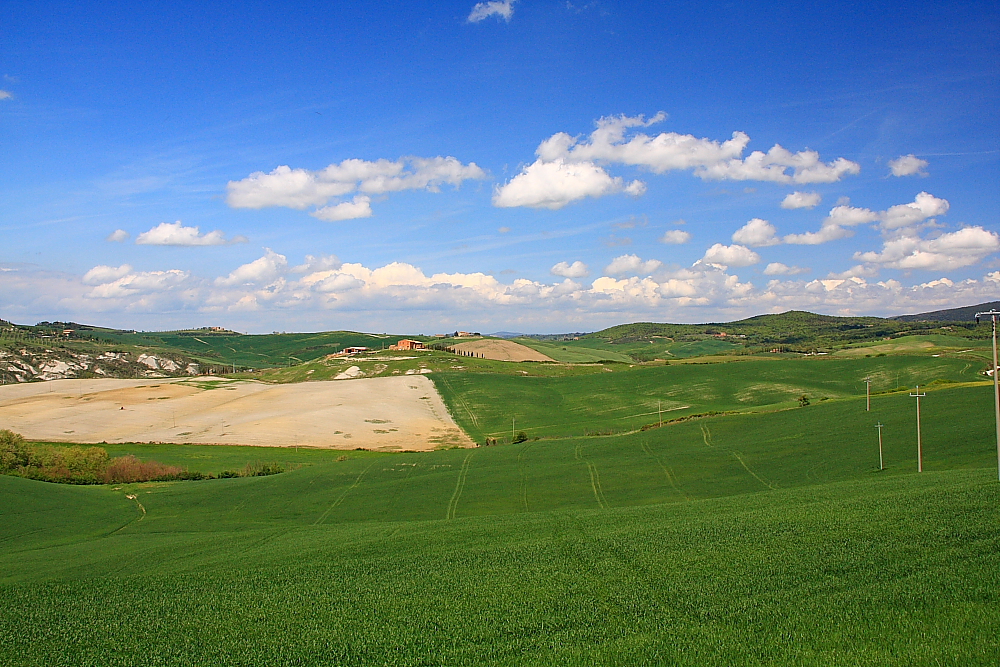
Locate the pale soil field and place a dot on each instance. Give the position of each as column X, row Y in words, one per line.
column 391, row 413
column 502, row 350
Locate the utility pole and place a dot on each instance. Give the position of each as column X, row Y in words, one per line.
column 659, row 411
column 920, row 451
column 512, row 429
column 879, row 427
column 868, row 394
column 996, row 387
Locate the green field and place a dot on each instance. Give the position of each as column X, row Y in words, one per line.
column 620, row 399
column 756, row 538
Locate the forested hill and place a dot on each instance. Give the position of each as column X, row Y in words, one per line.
column 794, row 328
column 964, row 314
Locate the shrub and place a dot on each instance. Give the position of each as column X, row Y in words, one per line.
column 520, row 437
column 126, row 469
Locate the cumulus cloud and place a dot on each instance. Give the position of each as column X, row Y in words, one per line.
column 403, row 297
column 566, row 270
column 555, row 184
column 630, row 265
column 105, row 274
column 779, row 269
column 924, row 206
column 953, row 250
column 301, row 188
column 260, row 271
column 141, row 283
column 774, row 165
column 801, row 200
column 313, row 264
column 118, row 236
column 502, row 9
column 359, row 207
column 899, row 217
column 175, row 234
column 617, row 141
column 756, row 233
column 908, row 165
column 730, row 255
column 5, row 95
column 675, row 237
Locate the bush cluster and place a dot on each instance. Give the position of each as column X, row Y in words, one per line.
column 92, row 465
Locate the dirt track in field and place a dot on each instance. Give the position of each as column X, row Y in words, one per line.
column 390, row 413
column 502, row 350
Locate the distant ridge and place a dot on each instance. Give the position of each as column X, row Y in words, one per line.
column 506, row 334
column 964, row 314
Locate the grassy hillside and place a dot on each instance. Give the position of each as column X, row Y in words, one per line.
column 620, row 398
column 743, row 539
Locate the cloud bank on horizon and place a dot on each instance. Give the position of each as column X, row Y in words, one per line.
column 535, row 191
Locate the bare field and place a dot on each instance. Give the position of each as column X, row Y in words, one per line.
column 391, row 413
column 502, row 350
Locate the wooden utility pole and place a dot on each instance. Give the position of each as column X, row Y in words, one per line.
column 879, row 427
column 920, row 451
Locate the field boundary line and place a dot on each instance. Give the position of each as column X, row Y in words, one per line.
column 595, row 480
column 666, row 470
column 747, row 468
column 706, row 435
column 339, row 500
column 459, row 487
column 462, row 401
column 523, row 476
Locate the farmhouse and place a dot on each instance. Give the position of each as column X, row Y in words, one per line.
column 354, row 350
column 407, row 344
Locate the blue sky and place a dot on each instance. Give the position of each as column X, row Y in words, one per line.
column 532, row 166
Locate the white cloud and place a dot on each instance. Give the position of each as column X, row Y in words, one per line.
column 730, row 255
column 502, row 9
column 5, row 95
column 801, row 200
column 118, row 236
column 908, row 165
column 774, row 165
column 555, row 184
column 139, row 284
column 664, row 152
column 756, row 233
column 301, row 188
column 566, row 270
column 946, row 252
column 105, row 274
column 401, row 297
column 546, row 182
column 504, row 230
column 779, row 269
column 359, row 207
column 260, row 271
column 825, row 234
column 631, row 264
column 856, row 271
column 924, row 206
column 901, row 217
column 313, row 264
column 174, row 233
column 675, row 237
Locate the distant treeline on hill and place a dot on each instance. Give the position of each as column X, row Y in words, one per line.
column 789, row 330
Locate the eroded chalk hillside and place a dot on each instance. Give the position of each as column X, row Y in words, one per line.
column 27, row 364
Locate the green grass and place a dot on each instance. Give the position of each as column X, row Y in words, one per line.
column 752, row 538
column 626, row 398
